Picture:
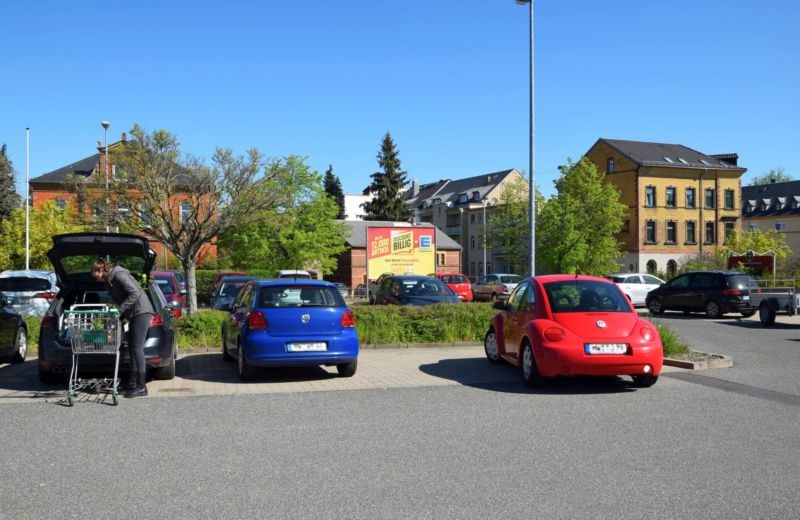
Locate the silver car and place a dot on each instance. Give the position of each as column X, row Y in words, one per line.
column 29, row 292
column 495, row 287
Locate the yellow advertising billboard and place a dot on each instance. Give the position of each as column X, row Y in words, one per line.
column 401, row 250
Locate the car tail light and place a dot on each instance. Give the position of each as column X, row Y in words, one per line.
column 257, row 321
column 47, row 322
column 732, row 292
column 554, row 334
column 177, row 313
column 348, row 319
column 647, row 333
column 503, row 289
column 48, row 295
column 156, row 320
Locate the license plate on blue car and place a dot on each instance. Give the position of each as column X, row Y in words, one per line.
column 307, row 346
column 605, row 348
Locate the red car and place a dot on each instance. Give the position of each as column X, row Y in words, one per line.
column 573, row 325
column 459, row 284
column 170, row 287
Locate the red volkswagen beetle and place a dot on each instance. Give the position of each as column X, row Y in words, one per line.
column 573, row 325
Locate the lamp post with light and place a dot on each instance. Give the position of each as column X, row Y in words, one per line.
column 531, row 189
column 105, row 125
column 484, row 238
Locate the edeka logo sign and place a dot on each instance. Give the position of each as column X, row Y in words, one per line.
column 400, row 250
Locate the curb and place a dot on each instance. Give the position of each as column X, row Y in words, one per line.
column 711, row 361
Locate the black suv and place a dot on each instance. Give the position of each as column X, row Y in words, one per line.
column 72, row 256
column 713, row 292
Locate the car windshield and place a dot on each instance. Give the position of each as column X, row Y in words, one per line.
column 510, row 279
column 229, row 290
column 19, row 284
column 165, row 284
column 585, row 296
column 426, row 287
column 299, row 296
column 454, row 278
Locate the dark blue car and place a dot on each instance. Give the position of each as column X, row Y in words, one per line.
column 288, row 323
column 413, row 290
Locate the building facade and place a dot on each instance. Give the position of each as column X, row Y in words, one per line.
column 773, row 206
column 680, row 202
column 460, row 208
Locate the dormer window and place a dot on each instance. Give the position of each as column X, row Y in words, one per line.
column 765, row 204
column 795, row 201
column 681, row 159
column 751, row 205
column 437, row 200
column 781, row 202
column 476, row 196
column 462, row 198
column 669, row 160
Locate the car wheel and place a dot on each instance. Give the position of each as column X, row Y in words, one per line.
column 490, row 347
column 226, row 356
column 748, row 314
column 655, row 306
column 22, row 346
column 766, row 314
column 49, row 378
column 644, row 380
column 371, row 299
column 529, row 371
column 347, row 369
column 246, row 372
column 167, row 372
column 493, row 297
column 713, row 309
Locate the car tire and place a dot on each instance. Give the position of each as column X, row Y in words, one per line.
column 226, row 356
column 748, row 314
column 347, row 369
column 655, row 306
column 165, row 373
column 530, row 374
column 493, row 297
column 21, row 343
column 713, row 309
column 490, row 346
column 644, row 380
column 766, row 314
column 246, row 372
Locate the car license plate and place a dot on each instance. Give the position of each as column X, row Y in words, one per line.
column 746, row 298
column 606, row 348
column 315, row 346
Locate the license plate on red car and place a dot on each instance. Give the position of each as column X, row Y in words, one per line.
column 605, row 348
column 307, row 346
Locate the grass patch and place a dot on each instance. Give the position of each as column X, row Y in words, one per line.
column 674, row 346
column 202, row 329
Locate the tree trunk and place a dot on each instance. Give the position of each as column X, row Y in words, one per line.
column 191, row 285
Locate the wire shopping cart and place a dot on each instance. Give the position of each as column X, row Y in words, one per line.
column 93, row 330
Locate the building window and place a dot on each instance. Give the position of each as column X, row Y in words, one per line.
column 691, row 232
column 650, row 196
column 670, row 196
column 472, row 243
column 488, row 267
column 652, row 267
column 650, row 232
column 672, row 268
column 462, row 198
column 752, row 226
column 729, row 227
column 610, row 165
column 480, row 267
column 626, row 226
column 780, row 225
column 710, row 198
column 185, row 210
column 472, row 268
column 61, row 203
column 709, row 238
column 672, row 232
column 729, row 199
column 480, row 218
column 476, row 195
column 441, row 259
column 472, row 218
column 690, row 200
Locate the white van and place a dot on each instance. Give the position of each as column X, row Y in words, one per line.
column 297, row 274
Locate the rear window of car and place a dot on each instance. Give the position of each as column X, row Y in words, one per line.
column 510, row 279
column 585, row 296
column 19, row 284
column 454, row 279
column 617, row 279
column 742, row 281
column 229, row 290
column 299, row 296
column 165, row 284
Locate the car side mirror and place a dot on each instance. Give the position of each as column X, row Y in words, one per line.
column 500, row 305
column 182, row 292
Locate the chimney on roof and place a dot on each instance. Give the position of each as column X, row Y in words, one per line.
column 414, row 188
column 124, row 137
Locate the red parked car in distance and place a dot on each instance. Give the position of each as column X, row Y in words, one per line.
column 568, row 325
column 458, row 283
column 171, row 289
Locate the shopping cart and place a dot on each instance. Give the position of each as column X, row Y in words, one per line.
column 93, row 330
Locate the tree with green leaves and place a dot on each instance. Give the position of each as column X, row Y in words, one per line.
column 44, row 222
column 577, row 230
column 333, row 187
column 9, row 199
column 304, row 233
column 507, row 226
column 774, row 175
column 387, row 186
column 180, row 200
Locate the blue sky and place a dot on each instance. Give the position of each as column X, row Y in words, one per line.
column 447, row 78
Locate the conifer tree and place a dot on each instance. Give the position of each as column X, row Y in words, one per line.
column 9, row 199
column 387, row 186
column 333, row 187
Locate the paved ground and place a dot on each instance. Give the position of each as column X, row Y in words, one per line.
column 207, row 374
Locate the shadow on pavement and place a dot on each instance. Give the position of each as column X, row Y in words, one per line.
column 22, row 380
column 480, row 373
column 211, row 368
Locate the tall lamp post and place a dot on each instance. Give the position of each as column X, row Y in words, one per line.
column 105, row 125
column 484, row 238
column 27, row 199
column 531, row 188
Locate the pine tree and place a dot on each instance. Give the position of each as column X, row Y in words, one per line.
column 9, row 199
column 333, row 187
column 386, row 186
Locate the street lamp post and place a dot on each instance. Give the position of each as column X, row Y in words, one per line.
column 27, row 198
column 484, row 238
column 105, row 125
column 531, row 188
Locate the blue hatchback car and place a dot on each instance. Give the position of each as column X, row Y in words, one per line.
column 288, row 323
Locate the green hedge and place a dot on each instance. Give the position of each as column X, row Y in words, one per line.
column 202, row 329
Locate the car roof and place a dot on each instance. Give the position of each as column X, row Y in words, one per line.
column 402, row 277
column 549, row 278
column 300, row 282
column 236, row 279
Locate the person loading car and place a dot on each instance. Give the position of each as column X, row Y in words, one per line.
column 135, row 307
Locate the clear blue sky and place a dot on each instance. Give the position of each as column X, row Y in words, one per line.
column 447, row 78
